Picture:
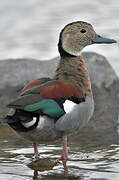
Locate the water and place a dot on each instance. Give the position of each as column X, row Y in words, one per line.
column 30, row 28
column 91, row 157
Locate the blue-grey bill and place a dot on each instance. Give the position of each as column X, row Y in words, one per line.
column 99, row 40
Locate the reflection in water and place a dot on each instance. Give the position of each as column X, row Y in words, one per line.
column 65, row 168
column 35, row 176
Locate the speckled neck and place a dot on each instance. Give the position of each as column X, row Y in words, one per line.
column 73, row 69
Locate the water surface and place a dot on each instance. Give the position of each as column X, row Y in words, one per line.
column 91, row 157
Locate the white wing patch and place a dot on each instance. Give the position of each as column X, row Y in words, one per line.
column 68, row 106
column 41, row 122
column 31, row 123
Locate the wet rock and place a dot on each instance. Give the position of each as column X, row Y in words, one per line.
column 14, row 74
column 43, row 164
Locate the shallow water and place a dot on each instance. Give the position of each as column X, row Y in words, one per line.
column 95, row 157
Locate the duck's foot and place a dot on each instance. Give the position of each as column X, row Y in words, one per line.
column 37, row 156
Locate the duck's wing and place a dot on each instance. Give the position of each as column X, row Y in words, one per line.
column 34, row 83
column 47, row 97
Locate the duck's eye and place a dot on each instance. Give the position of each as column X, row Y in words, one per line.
column 82, row 30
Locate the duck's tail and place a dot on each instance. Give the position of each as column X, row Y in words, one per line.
column 21, row 120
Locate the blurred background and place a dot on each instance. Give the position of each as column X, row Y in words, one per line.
column 31, row 28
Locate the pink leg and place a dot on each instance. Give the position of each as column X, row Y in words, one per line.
column 64, row 155
column 36, row 150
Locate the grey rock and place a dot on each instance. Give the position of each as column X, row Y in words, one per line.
column 15, row 73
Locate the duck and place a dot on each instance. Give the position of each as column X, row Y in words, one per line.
column 47, row 108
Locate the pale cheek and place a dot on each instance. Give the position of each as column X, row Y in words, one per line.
column 68, row 106
column 72, row 45
column 65, row 40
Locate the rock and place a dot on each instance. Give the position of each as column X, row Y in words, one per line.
column 105, row 86
column 43, row 164
column 15, row 73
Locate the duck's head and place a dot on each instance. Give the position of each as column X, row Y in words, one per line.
column 76, row 35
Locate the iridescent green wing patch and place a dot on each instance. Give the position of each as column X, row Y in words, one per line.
column 47, row 106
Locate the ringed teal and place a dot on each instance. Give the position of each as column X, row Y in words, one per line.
column 48, row 109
